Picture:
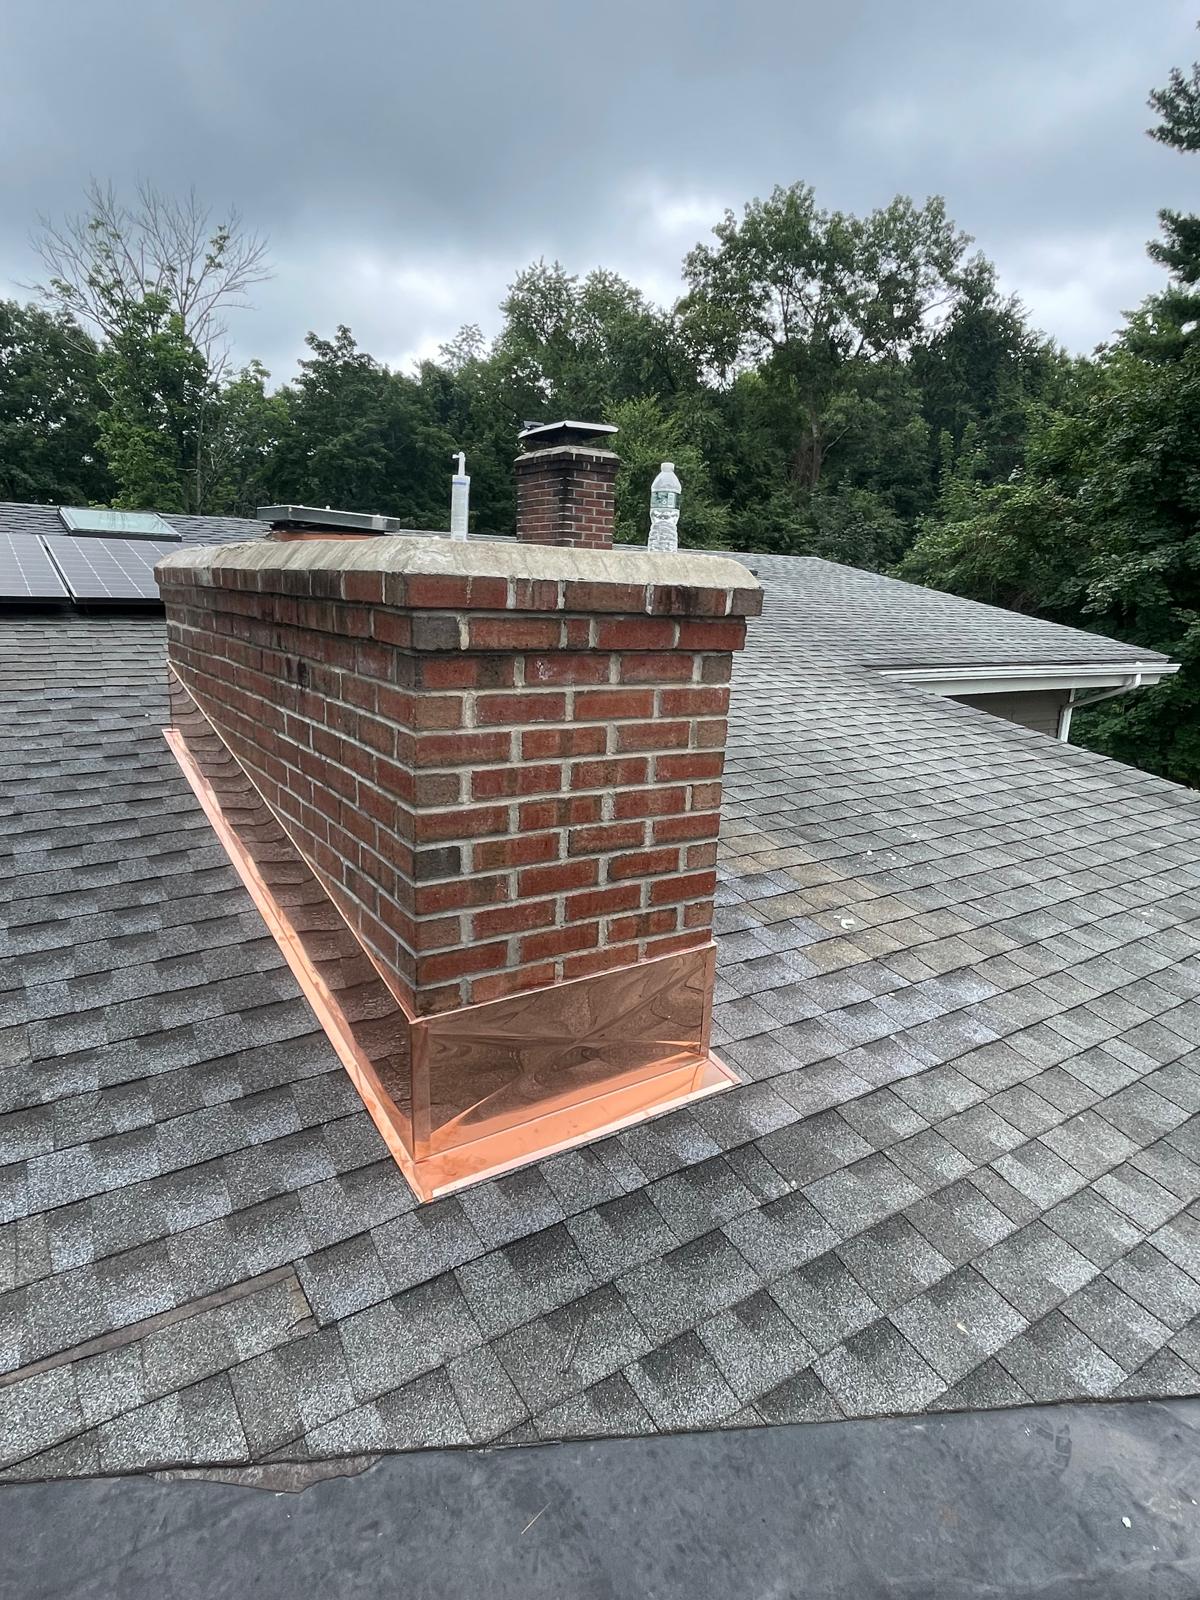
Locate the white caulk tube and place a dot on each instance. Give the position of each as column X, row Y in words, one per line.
column 665, row 494
column 460, row 499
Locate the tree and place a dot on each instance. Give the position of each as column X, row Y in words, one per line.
column 803, row 294
column 247, row 430
column 158, row 389
column 362, row 438
column 648, row 437
column 129, row 270
column 104, row 261
column 50, row 399
column 576, row 347
column 1178, row 105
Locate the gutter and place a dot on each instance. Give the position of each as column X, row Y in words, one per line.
column 1086, row 683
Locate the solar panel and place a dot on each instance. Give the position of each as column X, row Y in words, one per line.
column 100, row 522
column 26, row 571
column 108, row 569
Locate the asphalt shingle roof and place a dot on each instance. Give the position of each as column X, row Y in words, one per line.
column 957, row 974
column 882, row 622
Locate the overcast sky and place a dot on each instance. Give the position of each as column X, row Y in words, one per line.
column 406, row 159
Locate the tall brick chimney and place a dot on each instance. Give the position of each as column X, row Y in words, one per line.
column 566, row 483
column 502, row 765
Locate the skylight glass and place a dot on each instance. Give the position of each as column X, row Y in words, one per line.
column 100, row 521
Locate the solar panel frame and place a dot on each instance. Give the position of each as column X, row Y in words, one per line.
column 26, row 570
column 120, row 570
column 104, row 522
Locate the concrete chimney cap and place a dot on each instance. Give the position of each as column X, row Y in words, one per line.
column 442, row 557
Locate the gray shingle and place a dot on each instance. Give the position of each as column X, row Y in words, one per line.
column 687, row 1285
column 570, row 1349
column 877, row 1372
column 680, row 1385
column 401, row 1338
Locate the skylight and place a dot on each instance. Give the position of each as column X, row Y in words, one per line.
column 99, row 521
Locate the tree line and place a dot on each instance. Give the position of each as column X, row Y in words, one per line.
column 855, row 388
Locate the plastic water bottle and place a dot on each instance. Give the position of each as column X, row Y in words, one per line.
column 665, row 494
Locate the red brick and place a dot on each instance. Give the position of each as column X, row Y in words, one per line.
column 584, row 596
column 668, row 769
column 473, row 823
column 611, row 774
column 512, row 919
column 497, row 986
column 466, row 672
column 513, row 633
column 700, row 855
column 604, row 837
column 649, row 802
column 606, row 704
column 602, row 902
column 560, row 941
column 600, row 961
column 696, row 825
column 704, row 635
column 667, row 891
column 581, row 874
column 653, row 735
column 491, row 709
column 662, row 666
column 712, row 735
column 643, row 864
column 570, row 811
column 566, row 667
column 538, row 743
column 643, row 924
column 523, row 850
column 458, row 894
column 490, row 783
column 462, row 749
column 706, row 701
column 635, row 633
column 458, row 963
column 698, row 915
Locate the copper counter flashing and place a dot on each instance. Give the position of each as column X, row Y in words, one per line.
column 471, row 1093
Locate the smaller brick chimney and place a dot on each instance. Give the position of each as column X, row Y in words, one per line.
column 566, row 484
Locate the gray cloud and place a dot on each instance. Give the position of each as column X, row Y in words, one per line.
column 406, row 159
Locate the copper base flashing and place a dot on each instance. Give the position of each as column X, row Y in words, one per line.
column 467, row 1094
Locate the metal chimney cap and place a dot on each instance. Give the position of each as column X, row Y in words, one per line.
column 323, row 517
column 564, row 432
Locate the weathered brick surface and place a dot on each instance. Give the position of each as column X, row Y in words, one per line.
column 566, row 496
column 501, row 784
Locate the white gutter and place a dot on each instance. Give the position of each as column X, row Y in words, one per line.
column 1117, row 677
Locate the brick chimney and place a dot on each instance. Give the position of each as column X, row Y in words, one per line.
column 503, row 766
column 566, row 482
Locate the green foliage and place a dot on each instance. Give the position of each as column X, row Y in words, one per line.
column 363, row 438
column 50, row 403
column 648, row 437
column 157, row 384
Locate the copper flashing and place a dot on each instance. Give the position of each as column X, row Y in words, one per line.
column 477, row 1091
